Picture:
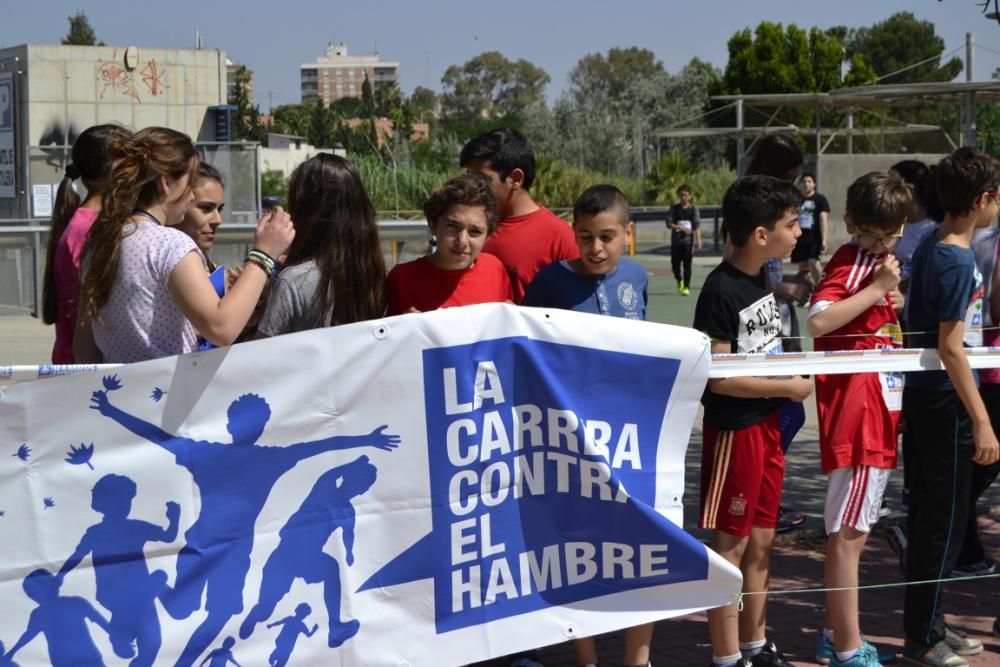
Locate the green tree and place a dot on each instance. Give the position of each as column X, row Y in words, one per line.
column 387, row 99
column 246, row 119
column 80, row 31
column 367, row 99
column 775, row 59
column 347, row 107
column 321, row 126
column 613, row 102
column 898, row 42
column 610, row 76
column 685, row 98
column 423, row 104
column 294, row 118
column 489, row 86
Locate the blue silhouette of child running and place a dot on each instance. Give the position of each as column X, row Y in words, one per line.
column 222, row 656
column 300, row 554
column 124, row 585
column 62, row 621
column 291, row 628
column 234, row 482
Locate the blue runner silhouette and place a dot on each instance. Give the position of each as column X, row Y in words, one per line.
column 300, row 553
column 124, row 585
column 234, row 482
column 291, row 628
column 63, row 623
column 221, row 656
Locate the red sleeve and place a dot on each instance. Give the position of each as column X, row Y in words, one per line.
column 506, row 288
column 565, row 244
column 833, row 285
column 393, row 298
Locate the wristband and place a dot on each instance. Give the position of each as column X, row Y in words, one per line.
column 265, row 260
column 259, row 264
column 263, row 255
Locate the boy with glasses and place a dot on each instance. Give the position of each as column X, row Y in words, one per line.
column 852, row 309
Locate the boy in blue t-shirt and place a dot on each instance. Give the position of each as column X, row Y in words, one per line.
column 943, row 409
column 603, row 283
column 600, row 281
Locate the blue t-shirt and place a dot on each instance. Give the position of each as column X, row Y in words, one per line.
column 945, row 286
column 621, row 293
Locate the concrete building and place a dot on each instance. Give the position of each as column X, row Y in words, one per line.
column 50, row 93
column 336, row 74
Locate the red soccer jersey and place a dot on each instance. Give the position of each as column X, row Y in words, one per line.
column 526, row 243
column 421, row 285
column 859, row 412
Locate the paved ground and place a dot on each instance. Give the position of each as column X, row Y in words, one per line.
column 798, row 564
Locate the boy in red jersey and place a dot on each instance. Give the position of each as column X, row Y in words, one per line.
column 852, row 309
column 461, row 214
column 529, row 235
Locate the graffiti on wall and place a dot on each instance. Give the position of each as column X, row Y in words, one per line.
column 148, row 79
column 53, row 140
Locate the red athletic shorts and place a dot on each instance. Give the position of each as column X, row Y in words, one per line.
column 741, row 475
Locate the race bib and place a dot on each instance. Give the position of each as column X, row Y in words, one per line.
column 892, row 390
column 805, row 220
column 684, row 224
column 974, row 314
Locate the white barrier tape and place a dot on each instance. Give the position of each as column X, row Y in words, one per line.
column 723, row 365
column 41, row 371
column 886, row 360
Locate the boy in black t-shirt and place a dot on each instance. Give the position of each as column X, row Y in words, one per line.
column 814, row 214
column 685, row 231
column 742, row 461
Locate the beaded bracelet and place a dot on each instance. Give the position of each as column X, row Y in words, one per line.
column 258, row 263
column 263, row 258
column 263, row 255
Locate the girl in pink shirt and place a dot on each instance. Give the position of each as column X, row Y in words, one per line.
column 71, row 223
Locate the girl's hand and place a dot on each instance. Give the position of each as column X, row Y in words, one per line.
column 274, row 232
column 232, row 274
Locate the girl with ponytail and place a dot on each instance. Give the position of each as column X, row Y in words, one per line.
column 71, row 223
column 145, row 290
column 335, row 272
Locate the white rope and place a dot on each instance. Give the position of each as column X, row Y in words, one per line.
column 888, row 360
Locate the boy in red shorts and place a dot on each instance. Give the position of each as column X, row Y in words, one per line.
column 742, row 460
column 461, row 214
column 858, row 412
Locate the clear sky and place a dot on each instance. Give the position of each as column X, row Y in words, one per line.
column 273, row 38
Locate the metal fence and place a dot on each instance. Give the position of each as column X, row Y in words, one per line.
column 23, row 242
column 238, row 162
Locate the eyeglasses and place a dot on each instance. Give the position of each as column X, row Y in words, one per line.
column 869, row 240
column 993, row 194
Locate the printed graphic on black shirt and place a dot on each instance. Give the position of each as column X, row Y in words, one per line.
column 760, row 325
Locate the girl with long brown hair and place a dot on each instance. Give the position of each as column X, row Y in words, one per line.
column 145, row 289
column 335, row 272
column 71, row 223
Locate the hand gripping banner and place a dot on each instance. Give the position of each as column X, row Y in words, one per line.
column 422, row 490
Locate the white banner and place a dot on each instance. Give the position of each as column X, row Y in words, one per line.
column 424, row 490
column 7, row 188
